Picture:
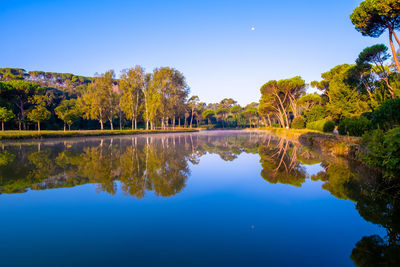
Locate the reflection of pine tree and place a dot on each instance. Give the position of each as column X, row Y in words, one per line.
column 279, row 162
column 379, row 203
column 377, row 200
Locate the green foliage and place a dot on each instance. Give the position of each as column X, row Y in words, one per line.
column 222, row 111
column 371, row 62
column 6, row 114
column 307, row 102
column 208, row 115
column 372, row 17
column 373, row 54
column 8, row 74
column 278, row 98
column 236, row 109
column 316, row 125
column 64, row 81
column 373, row 251
column 156, row 98
column 354, row 126
column 132, row 84
column 316, row 113
column 20, row 94
column 387, row 115
column 344, row 99
column 6, row 158
column 299, row 122
column 67, row 111
column 39, row 114
column 384, row 151
column 250, row 113
column 98, row 101
column 329, row 126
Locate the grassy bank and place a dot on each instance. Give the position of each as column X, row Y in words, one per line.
column 14, row 135
column 288, row 133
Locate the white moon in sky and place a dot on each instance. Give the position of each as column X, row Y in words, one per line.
column 252, row 28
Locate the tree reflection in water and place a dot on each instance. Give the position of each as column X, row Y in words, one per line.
column 377, row 201
column 160, row 164
column 140, row 164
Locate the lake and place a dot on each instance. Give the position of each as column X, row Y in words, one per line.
column 215, row 198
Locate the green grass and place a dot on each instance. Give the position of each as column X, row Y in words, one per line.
column 290, row 133
column 12, row 135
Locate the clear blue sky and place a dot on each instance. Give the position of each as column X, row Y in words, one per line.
column 210, row 41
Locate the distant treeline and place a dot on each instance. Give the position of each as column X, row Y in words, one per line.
column 135, row 99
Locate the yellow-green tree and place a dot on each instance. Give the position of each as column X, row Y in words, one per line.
column 5, row 115
column 98, row 101
column 38, row 114
column 132, row 84
column 152, row 98
column 68, row 112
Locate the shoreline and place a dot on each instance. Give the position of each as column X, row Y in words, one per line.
column 334, row 144
column 35, row 135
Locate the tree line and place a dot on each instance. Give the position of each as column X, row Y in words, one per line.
column 147, row 100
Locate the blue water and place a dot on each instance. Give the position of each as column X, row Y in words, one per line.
column 225, row 215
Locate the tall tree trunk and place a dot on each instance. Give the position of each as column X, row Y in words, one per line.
column 69, row 127
column 2, row 126
column 396, row 60
column 191, row 119
column 20, row 105
column 38, row 125
column 283, row 110
column 111, row 124
column 120, row 120
column 395, row 36
column 101, row 124
column 133, row 125
column 279, row 116
column 65, row 127
column 265, row 121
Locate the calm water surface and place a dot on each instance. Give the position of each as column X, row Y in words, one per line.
column 205, row 199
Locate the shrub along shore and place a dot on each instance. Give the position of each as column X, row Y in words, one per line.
column 13, row 135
